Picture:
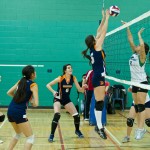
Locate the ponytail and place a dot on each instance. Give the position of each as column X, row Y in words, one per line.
column 21, row 91
column 84, row 53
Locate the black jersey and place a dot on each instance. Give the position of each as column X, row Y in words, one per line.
column 64, row 86
column 98, row 63
column 20, row 108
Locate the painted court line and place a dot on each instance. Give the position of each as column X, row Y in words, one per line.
column 114, row 138
column 61, row 138
column 3, row 123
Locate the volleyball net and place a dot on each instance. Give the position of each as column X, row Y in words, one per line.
column 118, row 51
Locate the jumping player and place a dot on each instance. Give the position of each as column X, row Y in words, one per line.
column 137, row 68
column 97, row 59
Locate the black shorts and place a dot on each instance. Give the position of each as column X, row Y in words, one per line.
column 17, row 118
column 147, row 104
column 62, row 101
column 136, row 89
column 98, row 81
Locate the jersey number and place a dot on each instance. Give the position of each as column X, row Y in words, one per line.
column 92, row 60
column 130, row 63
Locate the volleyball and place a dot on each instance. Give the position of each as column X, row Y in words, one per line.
column 114, row 11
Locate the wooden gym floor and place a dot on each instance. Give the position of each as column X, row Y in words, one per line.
column 65, row 138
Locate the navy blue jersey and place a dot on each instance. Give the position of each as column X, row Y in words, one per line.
column 64, row 86
column 98, row 63
column 20, row 108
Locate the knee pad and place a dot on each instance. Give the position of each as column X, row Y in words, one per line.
column 30, row 139
column 147, row 122
column 56, row 117
column 17, row 136
column 99, row 105
column 130, row 122
column 141, row 107
column 2, row 118
column 136, row 108
column 76, row 119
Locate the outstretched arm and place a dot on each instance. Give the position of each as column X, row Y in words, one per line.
column 130, row 38
column 100, row 40
column 99, row 30
column 142, row 51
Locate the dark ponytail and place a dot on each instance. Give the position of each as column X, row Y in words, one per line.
column 20, row 94
column 90, row 42
column 84, row 53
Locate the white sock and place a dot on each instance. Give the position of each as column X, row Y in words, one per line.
column 98, row 116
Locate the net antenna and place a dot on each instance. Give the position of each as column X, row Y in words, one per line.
column 103, row 5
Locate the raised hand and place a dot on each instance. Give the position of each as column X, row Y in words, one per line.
column 123, row 22
column 103, row 13
column 141, row 30
column 107, row 13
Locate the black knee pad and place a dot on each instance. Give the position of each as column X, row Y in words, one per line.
column 76, row 119
column 99, row 105
column 136, row 108
column 130, row 122
column 147, row 122
column 141, row 107
column 56, row 117
column 2, row 118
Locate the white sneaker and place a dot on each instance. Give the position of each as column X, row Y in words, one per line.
column 1, row 141
column 125, row 139
column 140, row 133
column 135, row 133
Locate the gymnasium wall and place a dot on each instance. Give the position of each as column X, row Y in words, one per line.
column 51, row 33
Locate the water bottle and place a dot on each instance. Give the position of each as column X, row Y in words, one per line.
column 82, row 106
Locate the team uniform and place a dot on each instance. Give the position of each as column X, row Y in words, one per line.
column 63, row 90
column 63, row 96
column 98, row 65
column 138, row 73
column 17, row 111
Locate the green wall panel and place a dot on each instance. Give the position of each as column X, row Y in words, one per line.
column 52, row 33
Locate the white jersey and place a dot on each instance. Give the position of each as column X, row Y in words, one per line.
column 138, row 73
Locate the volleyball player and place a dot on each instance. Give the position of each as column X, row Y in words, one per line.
column 88, row 94
column 62, row 97
column 96, row 58
column 21, row 94
column 137, row 68
column 132, row 115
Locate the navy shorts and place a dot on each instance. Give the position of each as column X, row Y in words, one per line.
column 136, row 89
column 98, row 81
column 62, row 101
column 147, row 104
column 17, row 118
